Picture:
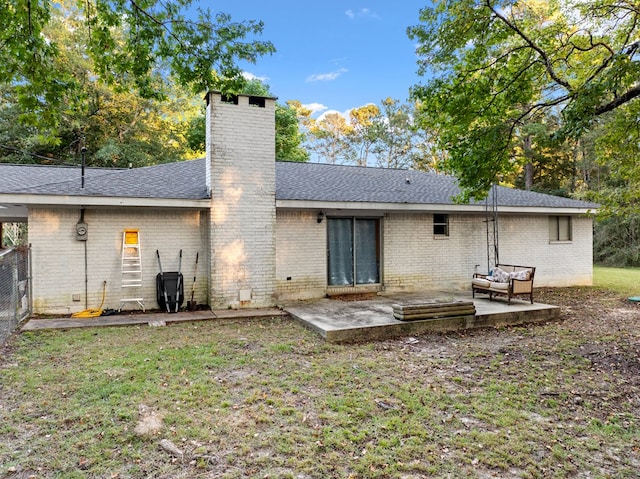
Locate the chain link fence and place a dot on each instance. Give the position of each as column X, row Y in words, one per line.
column 15, row 289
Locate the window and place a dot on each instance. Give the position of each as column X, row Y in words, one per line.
column 559, row 228
column 353, row 251
column 441, row 225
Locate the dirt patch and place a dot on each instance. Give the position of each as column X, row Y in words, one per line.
column 149, row 422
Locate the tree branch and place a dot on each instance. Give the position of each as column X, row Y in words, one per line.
column 618, row 100
column 163, row 25
column 540, row 51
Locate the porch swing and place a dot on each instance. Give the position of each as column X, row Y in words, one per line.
column 501, row 279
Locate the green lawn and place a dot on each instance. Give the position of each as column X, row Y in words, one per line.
column 271, row 399
column 625, row 281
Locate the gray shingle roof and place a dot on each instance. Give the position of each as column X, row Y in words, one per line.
column 322, row 182
column 294, row 181
column 181, row 180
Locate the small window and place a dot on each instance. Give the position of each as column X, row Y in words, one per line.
column 560, row 228
column 441, row 225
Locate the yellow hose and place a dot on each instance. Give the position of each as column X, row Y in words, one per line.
column 92, row 312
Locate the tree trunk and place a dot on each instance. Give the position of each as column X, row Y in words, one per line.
column 528, row 166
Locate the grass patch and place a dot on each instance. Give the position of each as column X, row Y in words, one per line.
column 625, row 281
column 269, row 398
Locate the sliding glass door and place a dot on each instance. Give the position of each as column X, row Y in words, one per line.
column 353, row 251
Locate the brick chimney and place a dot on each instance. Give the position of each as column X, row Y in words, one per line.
column 241, row 179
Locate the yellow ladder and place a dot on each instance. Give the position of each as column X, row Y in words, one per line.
column 131, row 269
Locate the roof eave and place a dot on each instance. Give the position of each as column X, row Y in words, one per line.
column 427, row 208
column 113, row 201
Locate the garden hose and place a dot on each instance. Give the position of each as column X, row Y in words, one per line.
column 92, row 312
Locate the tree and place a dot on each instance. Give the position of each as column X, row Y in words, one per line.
column 384, row 136
column 547, row 164
column 364, row 132
column 396, row 145
column 496, row 64
column 617, row 148
column 135, row 42
column 289, row 138
column 328, row 138
column 117, row 126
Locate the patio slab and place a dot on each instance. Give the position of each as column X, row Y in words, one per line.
column 152, row 319
column 340, row 321
column 353, row 321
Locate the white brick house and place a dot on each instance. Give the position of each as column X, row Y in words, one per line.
column 267, row 231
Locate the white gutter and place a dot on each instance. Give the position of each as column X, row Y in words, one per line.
column 426, row 208
column 120, row 201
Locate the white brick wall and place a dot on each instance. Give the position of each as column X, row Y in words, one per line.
column 416, row 260
column 59, row 265
column 557, row 264
column 301, row 262
column 241, row 159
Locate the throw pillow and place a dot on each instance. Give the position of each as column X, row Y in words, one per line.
column 522, row 275
column 500, row 275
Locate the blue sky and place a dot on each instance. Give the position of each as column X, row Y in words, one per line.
column 333, row 54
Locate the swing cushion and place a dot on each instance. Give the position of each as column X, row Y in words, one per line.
column 482, row 282
column 505, row 280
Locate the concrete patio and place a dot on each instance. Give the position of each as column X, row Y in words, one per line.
column 340, row 321
column 337, row 320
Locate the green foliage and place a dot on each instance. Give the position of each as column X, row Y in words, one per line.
column 196, row 133
column 117, row 125
column 131, row 44
column 616, row 241
column 497, row 66
column 382, row 135
column 328, row 137
column 289, row 138
column 617, row 147
column 550, row 165
column 398, row 144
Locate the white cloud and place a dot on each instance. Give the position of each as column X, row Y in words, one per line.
column 315, row 107
column 251, row 76
column 344, row 114
column 326, row 76
column 361, row 13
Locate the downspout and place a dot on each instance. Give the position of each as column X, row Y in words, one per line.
column 86, row 279
column 86, row 264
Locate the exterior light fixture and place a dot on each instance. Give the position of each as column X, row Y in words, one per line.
column 320, row 216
